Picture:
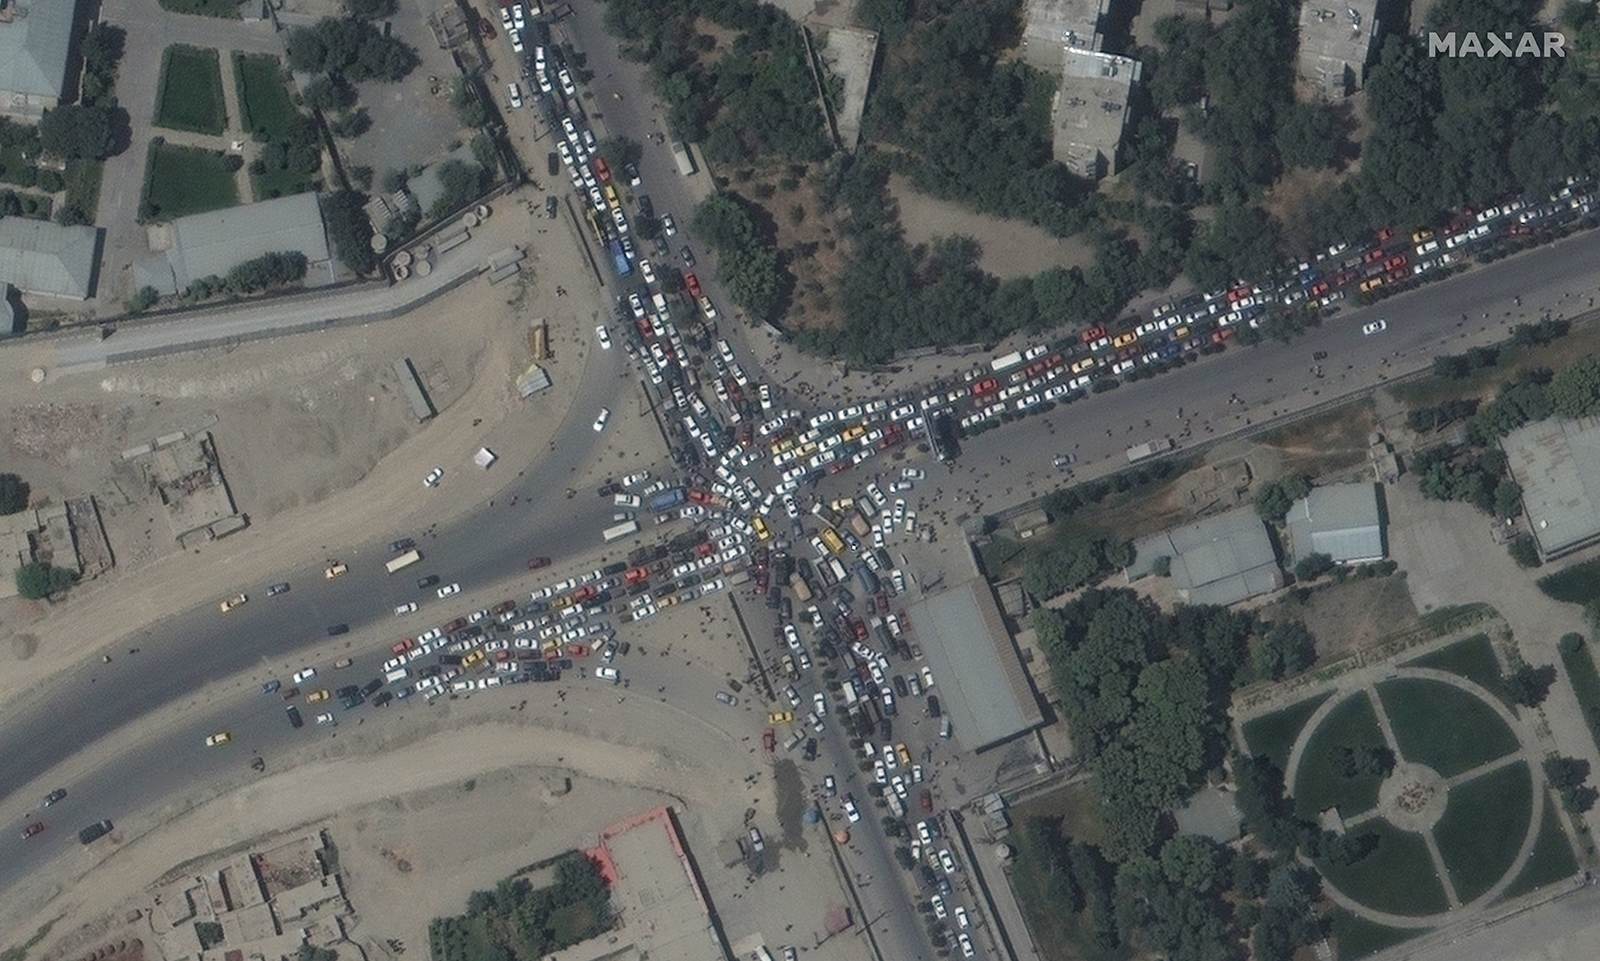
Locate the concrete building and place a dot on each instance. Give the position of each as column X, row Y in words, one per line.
column 1091, row 111
column 982, row 684
column 10, row 315
column 1222, row 559
column 40, row 257
column 35, row 45
column 1557, row 464
column 1051, row 26
column 213, row 243
column 1342, row 521
column 1336, row 39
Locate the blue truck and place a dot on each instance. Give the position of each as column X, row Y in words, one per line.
column 666, row 500
column 619, row 260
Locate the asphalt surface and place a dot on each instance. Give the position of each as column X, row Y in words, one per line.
column 194, row 647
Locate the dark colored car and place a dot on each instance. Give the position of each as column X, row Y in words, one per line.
column 688, row 256
column 349, row 690
column 94, row 831
column 271, row 687
column 811, row 749
column 372, row 687
column 550, row 205
column 885, row 728
column 295, row 720
column 900, row 688
column 59, row 794
column 534, row 563
column 427, row 580
column 33, row 829
column 384, row 697
column 277, row 589
column 934, row 710
column 403, row 544
column 552, row 165
column 334, row 630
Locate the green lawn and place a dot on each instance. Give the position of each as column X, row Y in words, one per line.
column 280, row 183
column 1356, row 937
column 227, row 9
column 1551, row 860
column 1473, row 659
column 1585, row 680
column 1320, row 785
column 83, row 185
column 1273, row 735
column 190, row 95
column 1484, row 823
column 1445, row 728
column 1578, row 584
column 264, row 100
column 14, row 169
column 186, row 180
column 1396, row 877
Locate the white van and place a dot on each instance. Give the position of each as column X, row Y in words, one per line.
column 397, row 675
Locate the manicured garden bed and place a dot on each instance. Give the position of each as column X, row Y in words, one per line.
column 265, row 105
column 226, row 9
column 1356, row 937
column 186, row 180
column 1320, row 783
column 190, row 95
column 1444, row 727
column 1484, row 824
column 1396, row 877
column 1551, row 860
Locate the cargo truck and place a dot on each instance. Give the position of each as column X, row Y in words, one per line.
column 682, row 157
column 802, row 591
column 619, row 260
column 621, row 530
column 1006, row 361
column 666, row 500
column 403, row 561
column 1150, row 449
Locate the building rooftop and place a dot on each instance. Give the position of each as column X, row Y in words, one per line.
column 1335, row 41
column 8, row 312
column 982, row 684
column 40, row 257
column 1557, row 464
column 1049, row 26
column 35, row 39
column 1222, row 559
column 1342, row 521
column 213, row 243
column 1091, row 110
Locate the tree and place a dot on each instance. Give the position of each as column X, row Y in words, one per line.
column 1365, row 760
column 1312, row 566
column 902, row 856
column 370, row 9
column 143, row 299
column 350, row 230
column 1275, row 499
column 1288, row 917
column 460, row 184
column 14, row 492
column 1288, row 648
column 75, row 132
column 1197, row 863
column 1567, row 775
column 1529, row 685
column 1575, row 391
column 1524, row 551
column 37, row 580
column 1310, row 135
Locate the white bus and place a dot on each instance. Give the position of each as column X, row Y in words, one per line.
column 403, row 561
column 621, row 530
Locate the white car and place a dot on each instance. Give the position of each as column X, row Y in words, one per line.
column 621, row 221
column 851, row 812
column 602, row 335
column 967, row 951
column 570, row 130
column 607, row 674
column 448, row 590
column 947, row 861
column 325, row 718
column 401, row 610
column 515, row 91
column 1376, row 327
column 962, row 921
column 939, row 910
column 600, row 420
column 567, row 86
column 668, row 225
column 913, row 474
column 434, row 477
column 647, row 272
column 304, row 674
column 634, row 303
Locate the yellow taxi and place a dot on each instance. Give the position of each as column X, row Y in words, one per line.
column 218, row 739
column 320, row 694
column 1124, row 340
column 336, row 569
column 851, row 433
column 780, row 717
column 232, row 602
column 905, row 755
column 763, row 532
column 473, row 659
column 831, row 540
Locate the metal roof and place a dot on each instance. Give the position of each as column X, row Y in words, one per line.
column 8, row 313
column 1050, row 26
column 979, row 673
column 35, row 37
column 1091, row 110
column 1557, row 464
column 1221, row 559
column 40, row 257
column 1335, row 41
column 1341, row 521
column 213, row 243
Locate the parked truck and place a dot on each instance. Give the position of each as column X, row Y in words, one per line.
column 619, row 259
column 682, row 157
column 666, row 500
column 1150, row 448
column 1006, row 361
column 802, row 591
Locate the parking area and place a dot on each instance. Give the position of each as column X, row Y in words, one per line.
column 413, row 122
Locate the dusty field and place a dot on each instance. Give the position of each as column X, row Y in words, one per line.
column 327, row 400
column 1331, row 441
column 1351, row 615
column 1011, row 248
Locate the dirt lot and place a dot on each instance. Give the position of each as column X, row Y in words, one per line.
column 1011, row 248
column 327, row 400
column 1351, row 615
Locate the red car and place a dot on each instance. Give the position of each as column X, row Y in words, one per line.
column 693, row 283
column 584, row 593
column 1093, row 334
column 986, row 386
column 400, row 647
column 1034, row 369
column 1395, row 263
column 925, row 800
column 32, row 829
column 705, row 550
column 636, row 575
column 534, row 563
column 1319, row 289
column 602, row 172
column 577, row 650
column 1384, row 233
column 699, row 496
column 1373, row 256
column 1054, row 361
column 1218, row 336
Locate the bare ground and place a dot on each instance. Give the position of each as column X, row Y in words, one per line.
column 1011, row 248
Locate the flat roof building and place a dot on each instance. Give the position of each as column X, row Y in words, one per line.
column 982, row 683
column 1342, row 521
column 1222, row 559
column 1091, row 109
column 35, row 44
column 40, row 257
column 213, row 243
column 1557, row 464
column 1050, row 26
column 1336, row 39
